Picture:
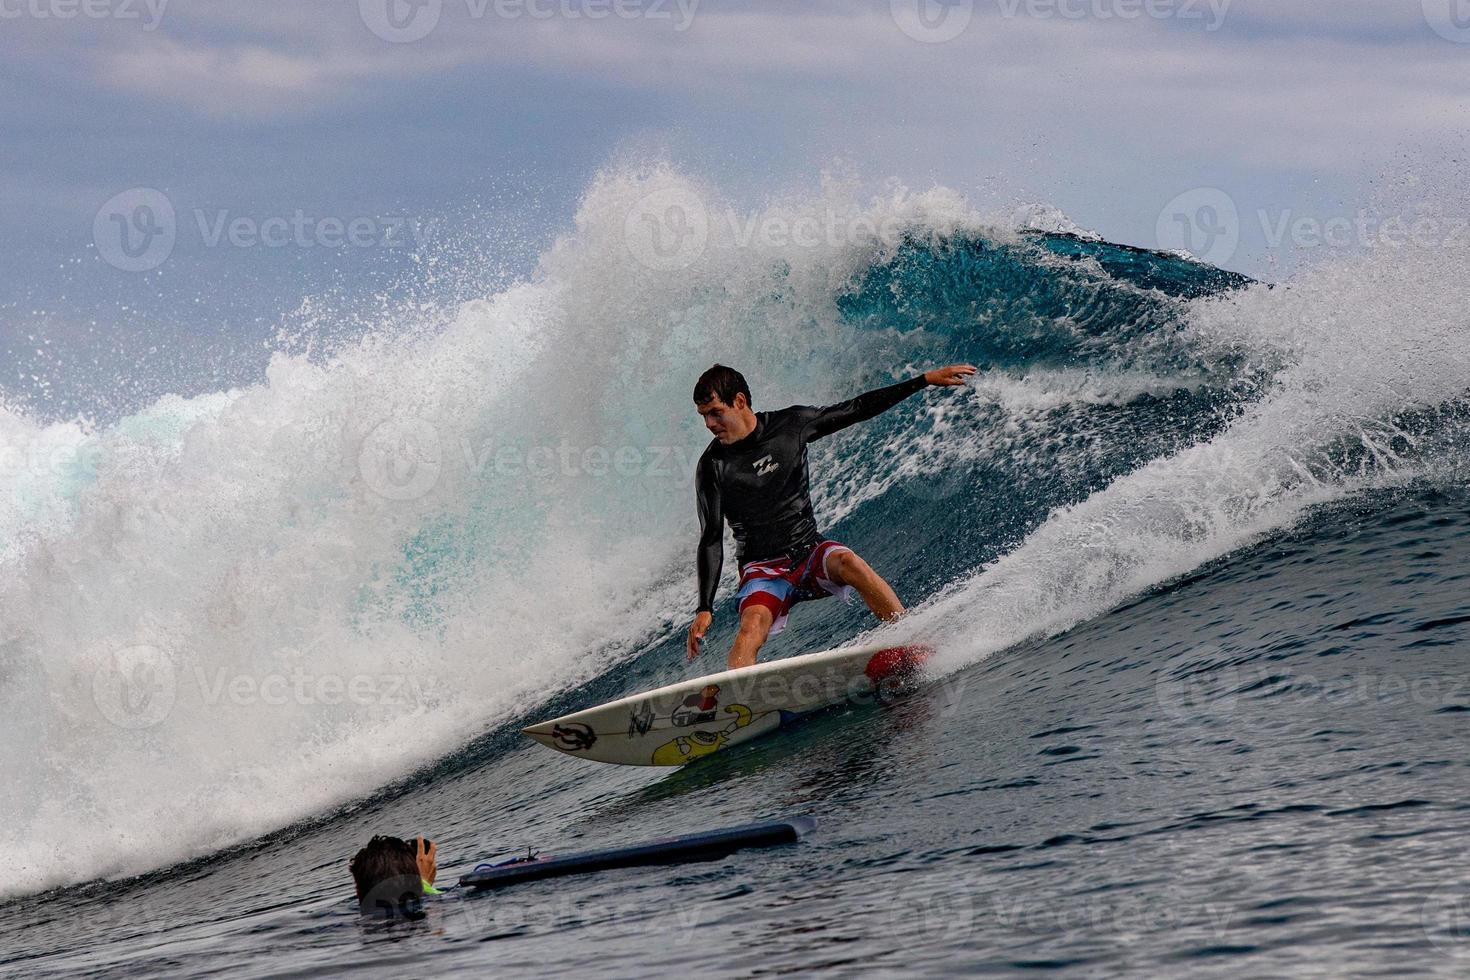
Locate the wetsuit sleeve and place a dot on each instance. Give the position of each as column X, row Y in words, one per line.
column 825, row 421
column 711, row 553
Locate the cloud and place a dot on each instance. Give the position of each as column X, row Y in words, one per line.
column 1117, row 114
column 288, row 59
column 237, row 79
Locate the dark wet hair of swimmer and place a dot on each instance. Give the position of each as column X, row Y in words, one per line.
column 393, row 875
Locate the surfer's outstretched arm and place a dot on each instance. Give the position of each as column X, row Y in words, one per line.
column 711, row 552
column 825, row 421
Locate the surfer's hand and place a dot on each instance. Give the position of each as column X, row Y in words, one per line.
column 954, row 374
column 428, row 858
column 697, row 629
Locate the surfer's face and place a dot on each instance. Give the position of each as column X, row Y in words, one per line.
column 727, row 423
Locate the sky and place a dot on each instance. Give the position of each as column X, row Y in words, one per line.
column 181, row 178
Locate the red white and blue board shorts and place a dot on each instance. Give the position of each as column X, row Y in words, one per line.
column 779, row 583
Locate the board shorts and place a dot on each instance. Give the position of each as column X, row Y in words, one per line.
column 780, row 583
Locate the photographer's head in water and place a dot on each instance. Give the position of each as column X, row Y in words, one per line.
column 392, row 875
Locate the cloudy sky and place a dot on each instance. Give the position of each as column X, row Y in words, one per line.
column 1246, row 126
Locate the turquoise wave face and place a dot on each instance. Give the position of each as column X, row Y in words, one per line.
column 1086, row 375
column 1044, row 299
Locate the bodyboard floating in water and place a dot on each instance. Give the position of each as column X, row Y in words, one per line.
column 711, row 845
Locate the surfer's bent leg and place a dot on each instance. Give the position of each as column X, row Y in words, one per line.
column 755, row 626
column 846, row 568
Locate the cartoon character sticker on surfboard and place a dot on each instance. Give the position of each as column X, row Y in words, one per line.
column 697, row 708
column 686, row 748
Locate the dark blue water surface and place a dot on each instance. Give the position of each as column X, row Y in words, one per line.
column 1261, row 770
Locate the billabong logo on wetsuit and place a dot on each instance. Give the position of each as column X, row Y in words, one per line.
column 766, row 465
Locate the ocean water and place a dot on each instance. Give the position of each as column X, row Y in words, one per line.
column 1190, row 549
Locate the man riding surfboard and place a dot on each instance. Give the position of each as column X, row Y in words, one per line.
column 754, row 475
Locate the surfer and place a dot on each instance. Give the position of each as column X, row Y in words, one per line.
column 754, row 475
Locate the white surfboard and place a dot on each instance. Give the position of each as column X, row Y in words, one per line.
column 682, row 722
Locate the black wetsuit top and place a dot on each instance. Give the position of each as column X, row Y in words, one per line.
column 760, row 483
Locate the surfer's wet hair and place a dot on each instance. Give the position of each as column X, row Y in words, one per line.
column 386, row 873
column 721, row 382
